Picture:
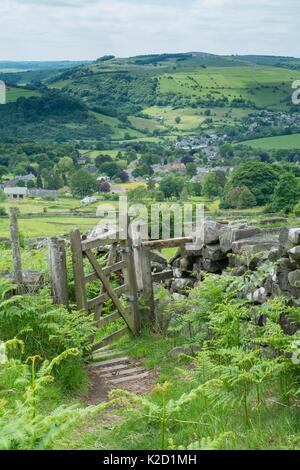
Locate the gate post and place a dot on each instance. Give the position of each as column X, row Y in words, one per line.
column 130, row 279
column 15, row 242
column 78, row 269
column 147, row 280
column 58, row 271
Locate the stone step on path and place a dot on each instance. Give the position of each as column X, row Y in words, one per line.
column 105, row 355
column 115, row 368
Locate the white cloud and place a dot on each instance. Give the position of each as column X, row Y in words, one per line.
column 79, row 29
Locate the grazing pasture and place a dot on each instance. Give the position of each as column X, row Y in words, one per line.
column 263, row 86
column 13, row 93
column 282, row 142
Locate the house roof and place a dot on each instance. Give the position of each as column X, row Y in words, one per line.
column 16, row 190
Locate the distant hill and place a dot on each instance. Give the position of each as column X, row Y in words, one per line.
column 122, row 87
column 28, row 73
column 37, row 65
column 274, row 61
column 153, row 95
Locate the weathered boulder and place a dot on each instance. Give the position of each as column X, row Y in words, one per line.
column 186, row 264
column 260, row 296
column 189, row 350
column 214, row 267
column 272, row 287
column 212, row 232
column 209, row 232
column 157, row 267
column 238, row 271
column 294, row 278
column 288, row 324
column 177, row 273
column 176, row 263
column 232, row 234
column 294, row 254
column 294, row 236
column 275, row 254
column 182, row 285
column 285, row 280
column 176, row 257
column 284, row 241
column 253, row 246
column 213, row 253
column 157, row 257
column 285, row 264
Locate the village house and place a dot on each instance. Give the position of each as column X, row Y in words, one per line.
column 17, row 179
column 16, row 192
column 42, row 193
column 180, row 167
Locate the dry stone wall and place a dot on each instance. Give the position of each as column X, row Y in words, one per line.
column 234, row 248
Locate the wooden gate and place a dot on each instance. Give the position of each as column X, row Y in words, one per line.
column 120, row 263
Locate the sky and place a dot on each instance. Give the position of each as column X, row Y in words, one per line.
column 87, row 29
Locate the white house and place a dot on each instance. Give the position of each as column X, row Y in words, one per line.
column 16, row 193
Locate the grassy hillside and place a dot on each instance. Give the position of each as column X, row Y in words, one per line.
column 260, row 86
column 286, row 142
column 52, row 117
column 13, row 93
column 146, row 94
column 135, row 79
column 168, row 94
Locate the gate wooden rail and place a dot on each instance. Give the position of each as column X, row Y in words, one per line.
column 120, row 263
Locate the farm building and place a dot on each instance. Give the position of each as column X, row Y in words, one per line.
column 42, row 193
column 16, row 193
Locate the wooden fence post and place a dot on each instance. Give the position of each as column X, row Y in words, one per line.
column 130, row 279
column 147, row 280
column 139, row 232
column 58, row 271
column 78, row 269
column 15, row 242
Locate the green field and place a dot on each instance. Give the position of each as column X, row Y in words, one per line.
column 49, row 226
column 119, row 130
column 283, row 142
column 35, row 222
column 12, row 94
column 263, row 86
column 95, row 153
column 143, row 124
column 190, row 119
column 38, row 206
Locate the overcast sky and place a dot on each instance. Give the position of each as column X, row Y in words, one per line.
column 87, row 29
